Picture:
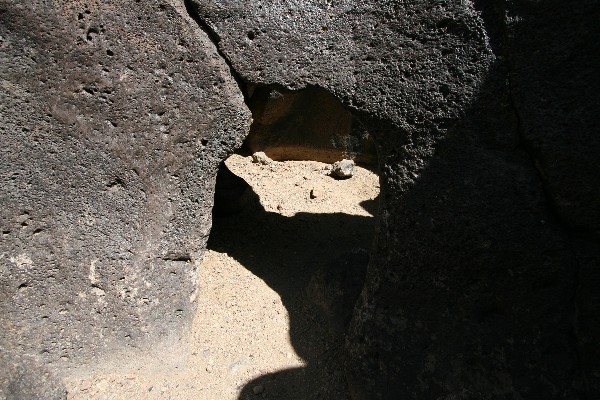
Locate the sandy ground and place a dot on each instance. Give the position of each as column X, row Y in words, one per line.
column 271, row 309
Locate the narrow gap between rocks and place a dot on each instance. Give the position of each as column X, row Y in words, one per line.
column 287, row 254
column 288, row 249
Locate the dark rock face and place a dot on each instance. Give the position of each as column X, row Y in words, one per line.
column 552, row 56
column 309, row 124
column 335, row 288
column 473, row 289
column 554, row 59
column 483, row 280
column 114, row 118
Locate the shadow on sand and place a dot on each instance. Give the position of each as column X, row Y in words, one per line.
column 317, row 264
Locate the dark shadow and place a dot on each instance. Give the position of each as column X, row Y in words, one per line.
column 317, row 264
column 371, row 206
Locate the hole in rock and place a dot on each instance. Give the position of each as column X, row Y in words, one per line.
column 308, row 124
column 288, row 251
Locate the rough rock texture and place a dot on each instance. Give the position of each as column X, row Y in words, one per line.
column 553, row 58
column 473, row 286
column 342, row 169
column 309, row 124
column 483, row 280
column 335, row 288
column 23, row 377
column 261, row 158
column 114, row 117
column 554, row 63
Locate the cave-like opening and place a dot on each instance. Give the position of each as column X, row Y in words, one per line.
column 288, row 250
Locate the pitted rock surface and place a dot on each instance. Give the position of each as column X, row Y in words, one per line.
column 114, row 118
column 472, row 277
column 483, row 277
column 343, row 169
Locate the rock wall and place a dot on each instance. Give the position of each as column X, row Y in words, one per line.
column 552, row 57
column 114, row 117
column 482, row 282
column 483, row 114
